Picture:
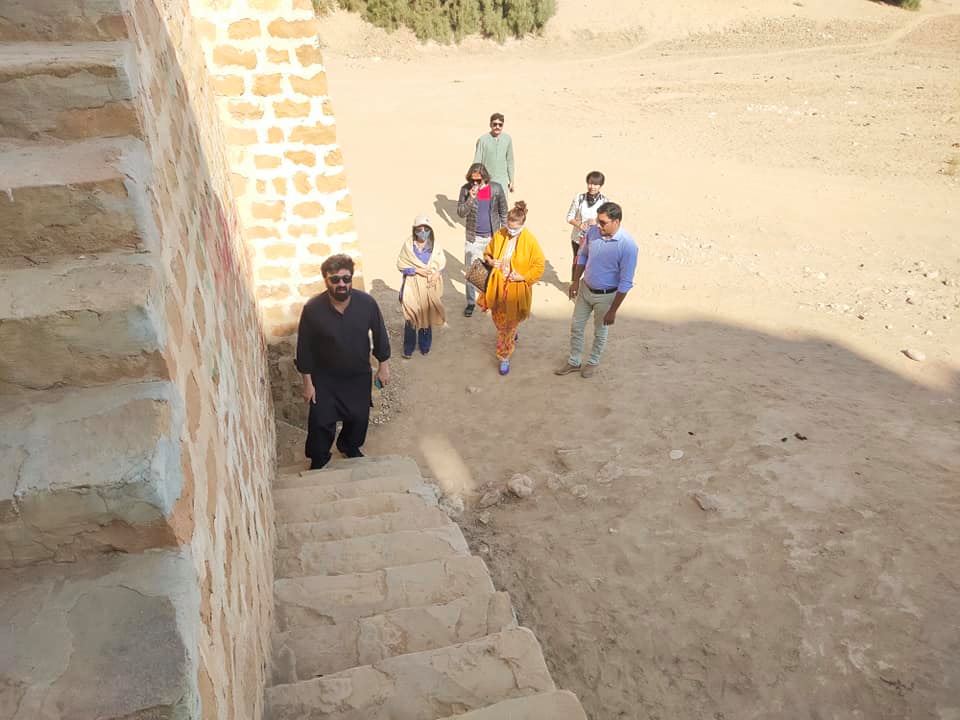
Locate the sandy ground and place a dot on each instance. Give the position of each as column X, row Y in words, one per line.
column 792, row 173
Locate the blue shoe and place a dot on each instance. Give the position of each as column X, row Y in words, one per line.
column 504, row 367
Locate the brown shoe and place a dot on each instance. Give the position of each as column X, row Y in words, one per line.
column 588, row 370
column 566, row 369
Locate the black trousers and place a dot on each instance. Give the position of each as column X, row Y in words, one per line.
column 346, row 399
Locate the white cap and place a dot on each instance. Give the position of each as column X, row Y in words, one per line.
column 422, row 220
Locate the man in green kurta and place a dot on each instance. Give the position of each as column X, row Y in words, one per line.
column 495, row 151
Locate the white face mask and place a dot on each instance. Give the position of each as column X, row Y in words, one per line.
column 513, row 232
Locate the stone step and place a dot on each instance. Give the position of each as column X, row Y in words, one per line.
column 66, row 91
column 72, row 199
column 337, row 599
column 419, row 517
column 359, row 507
column 90, row 470
column 110, row 637
column 371, row 552
column 559, row 705
column 305, row 653
column 421, row 686
column 58, row 20
column 82, row 322
column 345, row 470
column 306, row 504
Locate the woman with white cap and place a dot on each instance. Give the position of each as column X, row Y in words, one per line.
column 421, row 290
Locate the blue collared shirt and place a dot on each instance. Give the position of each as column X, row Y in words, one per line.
column 610, row 262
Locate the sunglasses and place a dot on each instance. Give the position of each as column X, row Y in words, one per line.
column 603, row 223
column 340, row 279
column 497, row 124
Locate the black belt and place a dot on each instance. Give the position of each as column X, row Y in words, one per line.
column 600, row 292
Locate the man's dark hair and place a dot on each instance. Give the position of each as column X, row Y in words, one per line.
column 611, row 210
column 497, row 116
column 480, row 168
column 595, row 177
column 340, row 261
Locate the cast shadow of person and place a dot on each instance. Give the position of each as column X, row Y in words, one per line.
column 552, row 277
column 446, row 210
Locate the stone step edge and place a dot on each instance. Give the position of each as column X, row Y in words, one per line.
column 435, row 517
column 27, row 164
column 42, row 57
column 536, row 678
column 445, row 541
column 542, row 706
column 414, row 486
column 284, row 643
column 342, row 505
column 472, row 567
column 348, row 471
column 114, row 502
column 135, row 280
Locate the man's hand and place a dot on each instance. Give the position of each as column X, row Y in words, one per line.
column 310, row 393
column 610, row 317
column 573, row 289
column 383, row 372
column 474, row 189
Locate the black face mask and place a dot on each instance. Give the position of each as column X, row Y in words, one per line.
column 591, row 199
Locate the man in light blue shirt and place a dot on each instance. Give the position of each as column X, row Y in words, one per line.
column 602, row 277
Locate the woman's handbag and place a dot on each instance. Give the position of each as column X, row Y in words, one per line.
column 478, row 275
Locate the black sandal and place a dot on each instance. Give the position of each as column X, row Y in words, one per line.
column 468, row 311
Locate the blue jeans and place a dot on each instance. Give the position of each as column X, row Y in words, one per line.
column 413, row 337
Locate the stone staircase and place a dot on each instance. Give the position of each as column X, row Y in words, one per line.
column 89, row 418
column 383, row 614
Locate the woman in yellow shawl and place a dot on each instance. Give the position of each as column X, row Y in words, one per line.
column 421, row 264
column 516, row 262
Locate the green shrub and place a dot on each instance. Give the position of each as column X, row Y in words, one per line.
column 442, row 20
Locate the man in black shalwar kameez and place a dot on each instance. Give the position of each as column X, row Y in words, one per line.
column 333, row 355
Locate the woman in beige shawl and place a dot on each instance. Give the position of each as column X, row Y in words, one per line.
column 420, row 293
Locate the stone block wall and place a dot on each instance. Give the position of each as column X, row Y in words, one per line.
column 287, row 170
column 217, row 358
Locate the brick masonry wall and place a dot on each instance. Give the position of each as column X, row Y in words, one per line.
column 287, row 170
column 217, row 355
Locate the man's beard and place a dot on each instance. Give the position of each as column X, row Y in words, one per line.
column 340, row 292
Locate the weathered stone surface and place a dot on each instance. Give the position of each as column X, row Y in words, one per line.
column 371, row 552
column 326, row 600
column 72, row 199
column 559, row 705
column 421, row 686
column 367, row 467
column 302, row 504
column 96, row 468
column 104, row 639
column 370, row 505
column 65, row 90
column 294, row 534
column 52, row 20
column 81, row 322
column 309, row 652
column 346, row 471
